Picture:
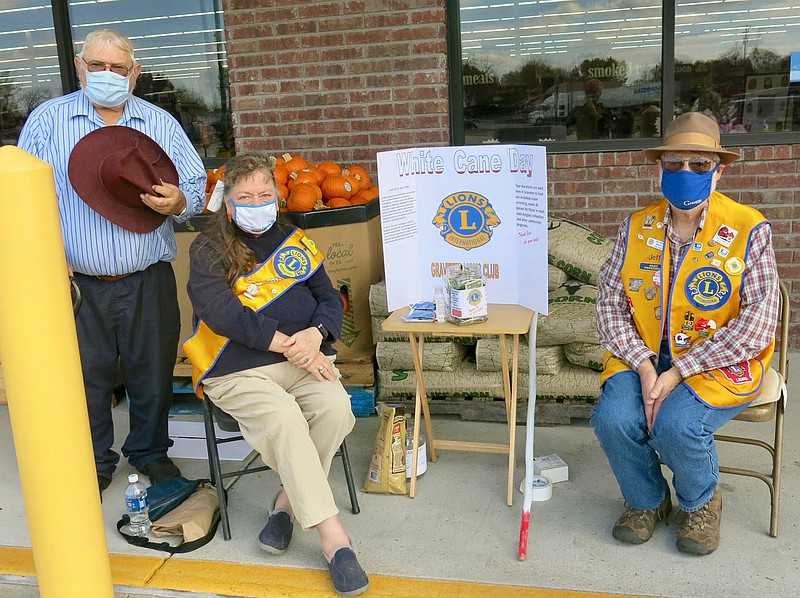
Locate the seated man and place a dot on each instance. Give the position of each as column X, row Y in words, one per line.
column 263, row 353
column 687, row 304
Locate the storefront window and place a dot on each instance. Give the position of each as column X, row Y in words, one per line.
column 29, row 72
column 732, row 61
column 181, row 47
column 559, row 70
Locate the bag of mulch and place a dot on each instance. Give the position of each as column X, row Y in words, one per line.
column 387, row 470
column 572, row 315
column 586, row 355
column 576, row 250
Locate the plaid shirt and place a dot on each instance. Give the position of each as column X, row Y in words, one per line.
column 744, row 337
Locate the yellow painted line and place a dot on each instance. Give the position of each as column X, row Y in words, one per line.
column 259, row 581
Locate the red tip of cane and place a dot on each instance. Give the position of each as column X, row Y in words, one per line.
column 523, row 536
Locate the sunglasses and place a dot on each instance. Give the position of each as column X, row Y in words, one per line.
column 696, row 165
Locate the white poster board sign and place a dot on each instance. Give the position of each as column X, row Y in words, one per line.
column 473, row 205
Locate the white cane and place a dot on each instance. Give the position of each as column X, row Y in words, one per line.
column 528, row 491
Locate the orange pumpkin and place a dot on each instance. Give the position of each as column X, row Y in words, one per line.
column 283, row 191
column 329, row 168
column 336, row 185
column 295, row 164
column 302, row 198
column 338, row 202
column 281, row 175
column 361, row 174
column 304, row 176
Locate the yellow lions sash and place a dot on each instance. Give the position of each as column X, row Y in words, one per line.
column 293, row 262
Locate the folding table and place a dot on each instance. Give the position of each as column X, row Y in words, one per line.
column 503, row 321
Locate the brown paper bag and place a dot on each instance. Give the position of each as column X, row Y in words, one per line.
column 387, row 470
column 191, row 519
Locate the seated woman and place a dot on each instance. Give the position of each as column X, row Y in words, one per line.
column 262, row 352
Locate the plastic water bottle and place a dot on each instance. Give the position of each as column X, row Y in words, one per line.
column 438, row 302
column 137, row 505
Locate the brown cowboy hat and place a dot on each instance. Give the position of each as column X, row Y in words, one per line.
column 692, row 131
column 112, row 166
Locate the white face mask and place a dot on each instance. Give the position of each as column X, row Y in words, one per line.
column 107, row 89
column 255, row 219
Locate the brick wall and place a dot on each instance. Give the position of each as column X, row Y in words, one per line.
column 343, row 80
column 337, row 80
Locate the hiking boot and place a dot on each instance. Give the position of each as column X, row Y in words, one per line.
column 699, row 530
column 635, row 526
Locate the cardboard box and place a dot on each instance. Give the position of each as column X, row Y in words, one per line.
column 189, row 439
column 184, row 240
column 351, row 241
column 552, row 467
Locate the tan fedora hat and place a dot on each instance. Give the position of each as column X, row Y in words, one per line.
column 692, row 131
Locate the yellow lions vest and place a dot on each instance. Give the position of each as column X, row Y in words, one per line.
column 704, row 296
column 293, row 262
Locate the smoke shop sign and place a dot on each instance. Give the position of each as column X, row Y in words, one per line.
column 483, row 207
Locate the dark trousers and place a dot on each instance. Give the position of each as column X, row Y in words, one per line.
column 133, row 322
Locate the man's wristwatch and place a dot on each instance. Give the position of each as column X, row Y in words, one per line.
column 323, row 331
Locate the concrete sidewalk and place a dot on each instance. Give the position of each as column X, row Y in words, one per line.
column 459, row 527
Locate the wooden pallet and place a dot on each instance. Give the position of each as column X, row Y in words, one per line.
column 548, row 411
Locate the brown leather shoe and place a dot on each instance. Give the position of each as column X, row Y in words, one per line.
column 635, row 526
column 699, row 531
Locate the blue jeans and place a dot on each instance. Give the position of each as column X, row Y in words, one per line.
column 683, row 439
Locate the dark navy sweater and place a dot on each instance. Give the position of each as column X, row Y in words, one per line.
column 314, row 301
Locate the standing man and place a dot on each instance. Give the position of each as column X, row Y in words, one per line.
column 121, row 262
column 687, row 306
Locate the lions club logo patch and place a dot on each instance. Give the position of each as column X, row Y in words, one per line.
column 708, row 288
column 292, row 262
column 466, row 220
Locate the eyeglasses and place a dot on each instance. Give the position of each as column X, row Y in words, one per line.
column 95, row 66
column 696, row 165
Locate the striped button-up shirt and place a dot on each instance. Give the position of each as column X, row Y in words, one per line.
column 93, row 244
column 744, row 337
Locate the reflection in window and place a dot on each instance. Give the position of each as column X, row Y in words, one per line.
column 561, row 70
column 181, row 47
column 29, row 72
column 732, row 62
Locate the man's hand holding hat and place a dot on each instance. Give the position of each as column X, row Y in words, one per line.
column 166, row 199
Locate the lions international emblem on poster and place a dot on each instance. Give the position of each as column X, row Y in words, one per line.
column 466, row 220
column 292, row 263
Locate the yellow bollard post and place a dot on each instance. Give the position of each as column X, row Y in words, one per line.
column 44, row 384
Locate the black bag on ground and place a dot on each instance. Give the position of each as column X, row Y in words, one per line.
column 186, row 510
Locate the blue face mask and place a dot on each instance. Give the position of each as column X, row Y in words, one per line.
column 686, row 189
column 107, row 89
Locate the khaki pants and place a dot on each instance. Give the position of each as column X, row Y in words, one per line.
column 296, row 423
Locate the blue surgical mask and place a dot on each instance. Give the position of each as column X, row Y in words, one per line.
column 107, row 89
column 686, row 189
column 255, row 219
